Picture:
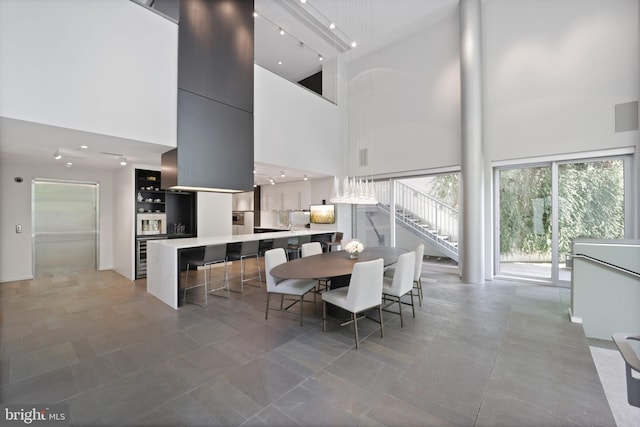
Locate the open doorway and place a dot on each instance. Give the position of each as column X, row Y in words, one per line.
column 65, row 226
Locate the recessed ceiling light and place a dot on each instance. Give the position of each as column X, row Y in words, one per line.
column 123, row 161
column 281, row 32
column 303, row 1
column 332, row 26
column 255, row 14
column 279, row 62
column 84, row 147
column 354, row 44
column 254, row 171
column 281, row 174
column 320, row 58
column 273, row 183
column 306, row 178
column 68, row 165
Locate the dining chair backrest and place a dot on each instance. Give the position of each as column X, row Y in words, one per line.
column 214, row 253
column 417, row 272
column 312, row 248
column 273, row 258
column 403, row 275
column 365, row 286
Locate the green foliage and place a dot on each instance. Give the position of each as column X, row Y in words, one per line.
column 445, row 188
column 591, row 201
column 522, row 229
column 591, row 204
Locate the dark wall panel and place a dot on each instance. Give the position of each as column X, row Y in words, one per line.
column 215, row 144
column 215, row 50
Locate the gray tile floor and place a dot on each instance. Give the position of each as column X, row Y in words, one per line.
column 495, row 354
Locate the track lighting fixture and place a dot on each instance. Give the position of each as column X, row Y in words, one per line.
column 57, row 155
column 123, row 161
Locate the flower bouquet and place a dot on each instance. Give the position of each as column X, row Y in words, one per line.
column 354, row 248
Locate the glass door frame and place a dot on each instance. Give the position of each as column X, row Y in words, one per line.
column 627, row 156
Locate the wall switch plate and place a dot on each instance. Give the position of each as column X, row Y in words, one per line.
column 18, row 228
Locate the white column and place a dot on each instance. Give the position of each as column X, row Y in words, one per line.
column 472, row 224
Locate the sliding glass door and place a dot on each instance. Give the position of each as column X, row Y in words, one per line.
column 541, row 208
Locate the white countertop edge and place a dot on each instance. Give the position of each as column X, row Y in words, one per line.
column 192, row 242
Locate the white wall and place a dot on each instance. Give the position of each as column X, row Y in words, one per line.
column 108, row 67
column 214, row 214
column 404, row 102
column 16, row 249
column 124, row 230
column 553, row 75
column 295, row 127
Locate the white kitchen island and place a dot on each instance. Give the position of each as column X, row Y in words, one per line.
column 163, row 270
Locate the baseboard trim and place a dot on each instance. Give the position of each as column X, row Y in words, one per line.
column 15, row 279
column 573, row 318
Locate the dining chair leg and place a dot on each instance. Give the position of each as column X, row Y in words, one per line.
column 266, row 314
column 281, row 301
column 400, row 311
column 324, row 316
column 355, row 327
column 413, row 307
column 381, row 321
column 419, row 288
column 301, row 308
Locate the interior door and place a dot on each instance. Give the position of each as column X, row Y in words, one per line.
column 65, row 226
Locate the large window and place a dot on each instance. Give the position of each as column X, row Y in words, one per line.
column 542, row 208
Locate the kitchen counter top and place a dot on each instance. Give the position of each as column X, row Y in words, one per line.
column 163, row 271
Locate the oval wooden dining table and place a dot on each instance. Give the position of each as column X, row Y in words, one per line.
column 333, row 264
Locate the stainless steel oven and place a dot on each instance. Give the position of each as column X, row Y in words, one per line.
column 237, row 218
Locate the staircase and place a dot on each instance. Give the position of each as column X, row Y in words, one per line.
column 426, row 217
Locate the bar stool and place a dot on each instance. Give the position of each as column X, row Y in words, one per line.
column 337, row 242
column 295, row 247
column 213, row 254
column 248, row 249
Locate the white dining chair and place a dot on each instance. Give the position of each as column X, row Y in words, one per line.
column 315, row 248
column 417, row 272
column 363, row 293
column 312, row 248
column 293, row 287
column 400, row 284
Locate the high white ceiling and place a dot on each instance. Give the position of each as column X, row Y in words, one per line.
column 372, row 23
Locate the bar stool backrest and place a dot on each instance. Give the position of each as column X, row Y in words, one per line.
column 214, row 253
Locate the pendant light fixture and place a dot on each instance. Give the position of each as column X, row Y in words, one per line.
column 356, row 191
column 359, row 190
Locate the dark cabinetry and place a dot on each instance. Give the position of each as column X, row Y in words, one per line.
column 160, row 214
